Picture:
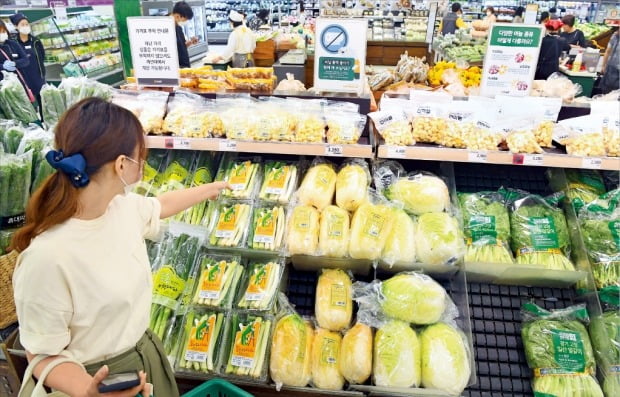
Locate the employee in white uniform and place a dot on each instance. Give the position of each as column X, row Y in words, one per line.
column 241, row 43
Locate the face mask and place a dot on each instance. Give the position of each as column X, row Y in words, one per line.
column 183, row 23
column 488, row 13
column 25, row 30
column 131, row 187
column 3, row 37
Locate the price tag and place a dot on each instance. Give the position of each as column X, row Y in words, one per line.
column 228, row 146
column 181, row 143
column 591, row 162
column 397, row 152
column 334, row 150
column 527, row 159
column 477, row 156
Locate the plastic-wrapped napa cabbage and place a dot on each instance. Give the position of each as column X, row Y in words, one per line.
column 400, row 245
column 334, row 303
column 420, row 193
column 325, row 355
column 291, row 349
column 414, row 298
column 370, row 229
column 439, row 239
column 334, row 232
column 318, row 186
column 397, row 356
column 352, row 185
column 356, row 354
column 303, row 231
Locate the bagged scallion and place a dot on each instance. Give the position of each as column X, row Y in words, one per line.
column 247, row 350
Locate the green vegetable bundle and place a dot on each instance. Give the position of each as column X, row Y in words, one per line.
column 171, row 279
column 267, row 232
column 202, row 337
column 152, row 176
column 11, row 136
column 230, row 224
column 584, row 186
column 15, row 179
column 260, row 286
column 539, row 234
column 52, row 104
column 247, row 349
column 217, row 281
column 599, row 222
column 487, row 227
column 78, row 88
column 558, row 350
column 177, row 174
column 605, row 335
column 242, row 174
column 280, row 182
column 202, row 173
column 35, row 139
column 14, row 100
column 5, row 240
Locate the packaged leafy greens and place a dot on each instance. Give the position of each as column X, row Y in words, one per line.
column 605, row 335
column 53, row 104
column 599, row 222
column 14, row 100
column 487, row 227
column 582, row 186
column 558, row 350
column 202, row 334
column 539, row 233
column 15, row 178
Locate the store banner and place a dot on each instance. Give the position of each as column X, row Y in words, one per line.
column 154, row 51
column 510, row 60
column 340, row 55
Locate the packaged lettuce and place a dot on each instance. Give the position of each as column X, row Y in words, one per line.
column 14, row 100
column 53, row 104
column 582, row 186
column 15, row 178
column 558, row 350
column 605, row 335
column 487, row 227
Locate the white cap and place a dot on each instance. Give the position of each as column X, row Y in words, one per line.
column 235, row 16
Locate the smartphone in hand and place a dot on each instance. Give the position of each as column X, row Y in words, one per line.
column 118, row 382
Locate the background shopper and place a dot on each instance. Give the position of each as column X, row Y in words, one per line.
column 490, row 16
column 550, row 51
column 574, row 36
column 82, row 282
column 182, row 13
column 452, row 21
column 518, row 15
column 611, row 65
column 34, row 73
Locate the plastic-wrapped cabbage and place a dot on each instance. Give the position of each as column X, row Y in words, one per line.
column 445, row 359
column 318, row 186
column 303, row 231
column 333, row 304
column 400, row 245
column 487, row 227
column 438, row 239
column 414, row 298
column 370, row 229
column 397, row 356
column 356, row 354
column 420, row 193
column 334, row 233
column 325, row 356
column 352, row 185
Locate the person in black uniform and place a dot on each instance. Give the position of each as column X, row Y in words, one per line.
column 550, row 50
column 34, row 73
column 12, row 55
column 574, row 36
column 182, row 13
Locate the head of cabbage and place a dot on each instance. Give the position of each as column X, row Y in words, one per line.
column 413, row 298
column 438, row 239
column 420, row 194
column 396, row 356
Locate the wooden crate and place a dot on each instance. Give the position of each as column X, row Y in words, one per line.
column 265, row 50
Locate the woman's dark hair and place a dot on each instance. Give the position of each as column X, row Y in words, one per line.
column 456, row 7
column 235, row 24
column 489, row 8
column 302, row 8
column 100, row 131
column 568, row 20
column 544, row 16
column 520, row 10
column 553, row 10
column 263, row 14
column 183, row 9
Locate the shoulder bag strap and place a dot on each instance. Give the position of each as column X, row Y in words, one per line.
column 32, row 388
column 19, row 74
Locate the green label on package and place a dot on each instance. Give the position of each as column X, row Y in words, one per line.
column 568, row 350
column 539, row 394
column 201, row 176
column 149, row 173
column 614, row 228
column 176, row 172
column 482, row 228
column 543, row 233
column 167, row 283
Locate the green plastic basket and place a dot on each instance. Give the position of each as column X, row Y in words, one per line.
column 217, row 388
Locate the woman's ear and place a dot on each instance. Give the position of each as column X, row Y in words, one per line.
column 119, row 164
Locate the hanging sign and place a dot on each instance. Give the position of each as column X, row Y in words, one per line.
column 340, row 54
column 531, row 11
column 510, row 60
column 154, row 51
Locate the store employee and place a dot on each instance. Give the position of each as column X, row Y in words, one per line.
column 34, row 73
column 452, row 21
column 241, row 43
column 182, row 13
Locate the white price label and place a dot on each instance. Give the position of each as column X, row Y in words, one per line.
column 334, row 150
column 227, row 145
column 209, row 294
column 397, row 152
column 477, row 156
column 533, row 159
column 191, row 355
column 263, row 239
column 274, row 190
column 224, row 234
column 181, row 143
column 591, row 162
column 254, row 296
column 240, row 361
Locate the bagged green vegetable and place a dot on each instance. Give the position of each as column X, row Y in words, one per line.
column 53, row 104
column 247, row 346
column 78, row 88
column 35, row 139
column 217, row 282
column 11, row 137
column 260, row 286
column 605, row 335
column 203, row 171
column 539, row 234
column 581, row 187
column 599, row 222
column 202, row 335
column 14, row 100
column 558, row 350
column 243, row 175
column 6, row 235
column 15, row 179
column 153, row 174
column 177, row 174
column 487, row 227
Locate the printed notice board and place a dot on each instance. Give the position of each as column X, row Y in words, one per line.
column 510, row 60
column 340, row 54
column 154, row 51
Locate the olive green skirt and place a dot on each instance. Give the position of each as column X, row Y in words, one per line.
column 148, row 356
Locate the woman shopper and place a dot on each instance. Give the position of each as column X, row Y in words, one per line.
column 518, row 15
column 550, row 51
column 574, row 36
column 34, row 73
column 12, row 55
column 83, row 283
column 611, row 65
column 490, row 16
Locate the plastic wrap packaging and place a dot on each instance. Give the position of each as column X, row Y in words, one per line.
column 319, row 185
column 599, row 222
column 381, row 80
column 53, row 104
column 611, row 134
column 334, row 304
column 238, row 115
column 203, row 171
column 394, row 126
column 445, row 358
column 397, row 360
column 325, row 356
column 460, row 120
column 11, row 136
column 177, row 174
column 539, row 234
column 148, row 106
column 203, row 334
column 334, row 232
column 35, row 139
column 311, row 122
column 586, row 145
column 14, row 101
column 583, row 186
column 247, row 347
column 605, row 336
column 344, row 127
column 291, row 348
column 400, row 245
column 152, row 176
column 556, row 85
column 352, row 184
column 217, row 281
column 242, row 173
column 538, row 113
column 280, row 181
column 6, row 235
column 260, row 285
column 251, row 73
column 303, row 231
column 274, row 123
column 267, row 231
column 522, row 140
column 370, row 228
column 487, row 227
column 582, row 136
column 193, row 117
column 15, row 179
column 229, row 224
column 355, row 362
column 290, row 84
column 428, row 121
column 558, row 350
